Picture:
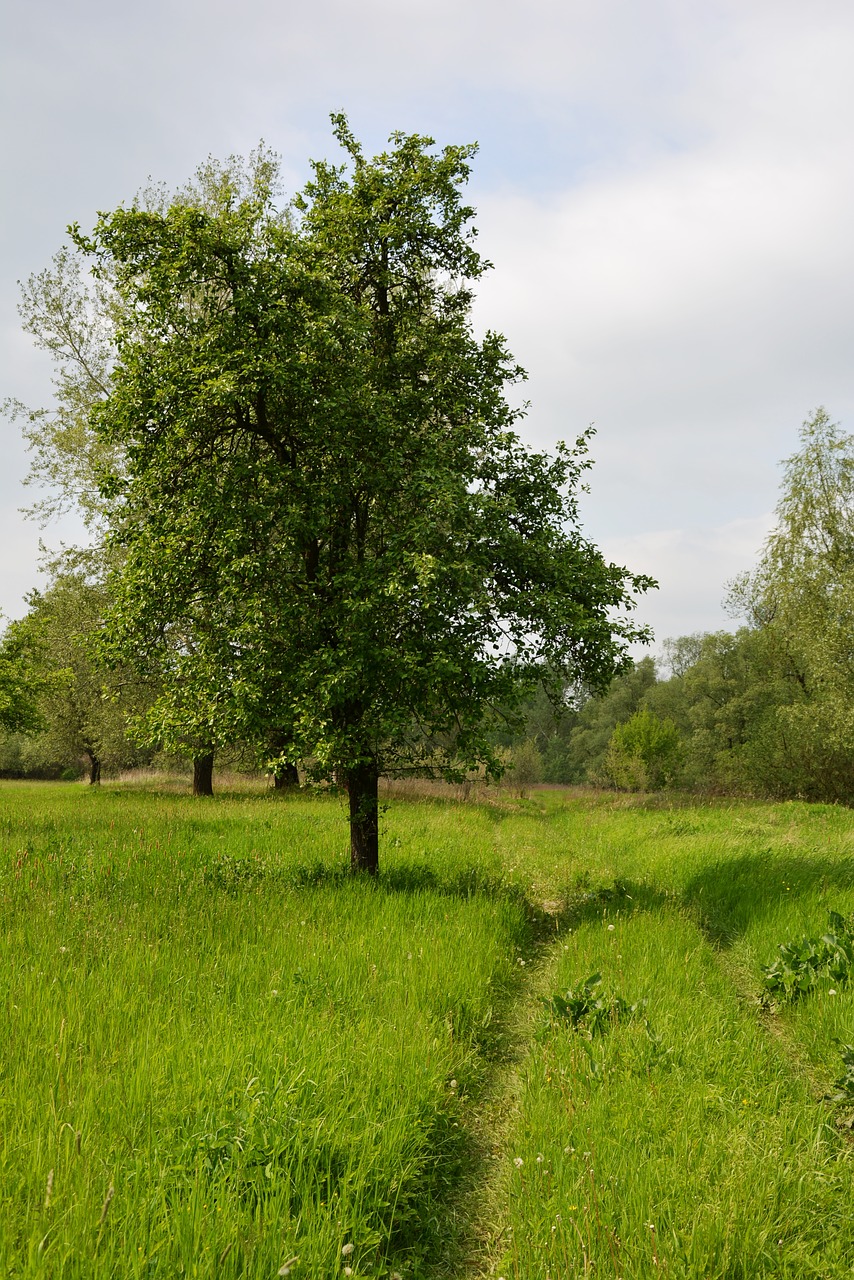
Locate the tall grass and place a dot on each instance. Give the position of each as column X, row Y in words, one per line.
column 690, row 1139
column 221, row 1057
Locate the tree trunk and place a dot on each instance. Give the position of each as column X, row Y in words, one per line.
column 94, row 769
column 287, row 775
column 203, row 774
column 363, row 786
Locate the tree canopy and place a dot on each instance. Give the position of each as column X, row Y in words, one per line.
column 324, row 528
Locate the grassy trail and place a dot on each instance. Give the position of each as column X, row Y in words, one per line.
column 220, row 1057
column 689, row 1139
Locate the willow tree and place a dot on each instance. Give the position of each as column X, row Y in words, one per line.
column 321, row 478
column 800, row 599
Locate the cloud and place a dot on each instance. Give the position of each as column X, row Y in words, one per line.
column 666, row 190
column 693, row 567
column 696, row 305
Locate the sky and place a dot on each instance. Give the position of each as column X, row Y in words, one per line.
column 665, row 189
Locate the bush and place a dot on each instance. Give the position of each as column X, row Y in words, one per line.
column 644, row 753
column 526, row 766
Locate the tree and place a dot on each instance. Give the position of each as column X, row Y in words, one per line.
column 21, row 684
column 644, row 753
column 83, row 709
column 324, row 514
column 591, row 730
column 801, row 599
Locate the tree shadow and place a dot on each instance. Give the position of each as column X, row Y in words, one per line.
column 731, row 895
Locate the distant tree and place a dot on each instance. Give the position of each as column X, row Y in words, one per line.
column 599, row 715
column 321, row 508
column 801, row 599
column 22, row 683
column 644, row 753
column 526, row 765
column 83, row 709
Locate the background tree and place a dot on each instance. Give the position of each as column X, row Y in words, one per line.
column 801, row 599
column 644, row 753
column 320, row 480
column 21, row 684
column 83, row 709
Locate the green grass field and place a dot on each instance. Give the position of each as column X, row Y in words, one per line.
column 221, row 1057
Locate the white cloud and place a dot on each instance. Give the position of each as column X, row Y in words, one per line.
column 693, row 567
column 666, row 189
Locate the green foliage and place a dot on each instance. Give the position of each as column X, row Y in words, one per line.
column 644, row 753
column 799, row 965
column 526, row 765
column 765, row 710
column 21, row 683
column 585, row 736
column 801, row 598
column 83, row 708
column 590, row 1009
column 845, row 1084
column 322, row 524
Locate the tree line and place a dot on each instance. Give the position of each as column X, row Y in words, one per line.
column 767, row 709
column 316, row 534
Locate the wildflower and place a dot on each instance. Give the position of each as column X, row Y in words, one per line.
column 452, row 1084
column 285, row 1268
column 831, row 992
column 540, row 1158
column 348, row 1271
column 518, row 1161
column 520, row 961
column 347, row 1249
column 611, row 928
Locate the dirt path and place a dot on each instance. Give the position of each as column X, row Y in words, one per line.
column 476, row 1239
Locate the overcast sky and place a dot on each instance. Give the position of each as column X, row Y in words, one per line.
column 665, row 187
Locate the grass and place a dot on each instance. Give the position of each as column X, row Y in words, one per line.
column 223, row 1058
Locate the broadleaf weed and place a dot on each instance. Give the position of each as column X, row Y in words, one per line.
column 799, row 965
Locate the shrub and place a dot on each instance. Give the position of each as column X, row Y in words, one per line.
column 644, row 753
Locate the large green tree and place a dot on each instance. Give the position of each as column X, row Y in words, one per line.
column 800, row 599
column 327, row 522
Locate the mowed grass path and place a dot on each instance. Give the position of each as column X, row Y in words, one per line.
column 221, row 1057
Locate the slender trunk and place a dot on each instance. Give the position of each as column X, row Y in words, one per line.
column 286, row 776
column 94, row 769
column 363, row 786
column 203, row 774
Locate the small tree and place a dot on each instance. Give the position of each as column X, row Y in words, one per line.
column 644, row 753
column 800, row 600
column 526, row 765
column 83, row 708
column 22, row 682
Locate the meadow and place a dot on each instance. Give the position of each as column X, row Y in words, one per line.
column 540, row 1046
